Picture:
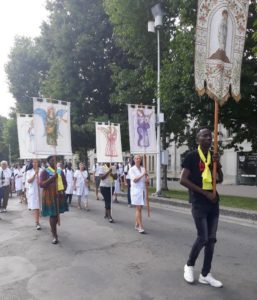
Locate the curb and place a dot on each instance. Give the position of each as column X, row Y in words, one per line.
column 225, row 211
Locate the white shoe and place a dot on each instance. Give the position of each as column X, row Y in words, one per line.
column 137, row 227
column 141, row 230
column 38, row 227
column 189, row 273
column 209, row 279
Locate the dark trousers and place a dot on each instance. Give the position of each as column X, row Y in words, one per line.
column 206, row 219
column 107, row 195
column 128, row 191
column 68, row 197
column 4, row 196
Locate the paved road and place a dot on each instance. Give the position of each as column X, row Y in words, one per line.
column 98, row 260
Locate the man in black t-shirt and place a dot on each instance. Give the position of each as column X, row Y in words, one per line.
column 197, row 177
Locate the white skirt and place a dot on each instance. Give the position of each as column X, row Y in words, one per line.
column 137, row 196
column 69, row 189
column 117, row 186
column 81, row 190
column 33, row 201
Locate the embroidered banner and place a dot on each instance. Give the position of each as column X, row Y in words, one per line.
column 52, row 127
column 108, row 142
column 142, row 134
column 26, row 137
column 220, row 38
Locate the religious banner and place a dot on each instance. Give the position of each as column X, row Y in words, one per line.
column 26, row 136
column 220, row 38
column 108, row 142
column 142, row 134
column 52, row 127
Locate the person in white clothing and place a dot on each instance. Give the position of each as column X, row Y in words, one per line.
column 5, row 181
column 69, row 174
column 127, row 180
column 138, row 180
column 34, row 191
column 18, row 175
column 117, row 184
column 96, row 177
column 80, row 186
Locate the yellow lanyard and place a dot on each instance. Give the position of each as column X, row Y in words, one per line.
column 59, row 180
column 206, row 175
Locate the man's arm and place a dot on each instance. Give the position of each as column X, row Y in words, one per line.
column 185, row 181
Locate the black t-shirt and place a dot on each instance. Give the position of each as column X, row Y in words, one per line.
column 193, row 163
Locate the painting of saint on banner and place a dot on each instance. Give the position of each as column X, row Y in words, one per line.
column 220, row 38
column 108, row 142
column 26, row 136
column 52, row 127
column 142, row 134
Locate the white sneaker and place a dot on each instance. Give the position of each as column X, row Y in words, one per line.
column 38, row 227
column 189, row 273
column 141, row 230
column 137, row 227
column 209, row 279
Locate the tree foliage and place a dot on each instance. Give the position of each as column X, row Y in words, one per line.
column 98, row 55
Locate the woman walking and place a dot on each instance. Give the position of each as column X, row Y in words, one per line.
column 69, row 175
column 80, row 186
column 34, row 193
column 107, row 175
column 138, row 179
column 54, row 184
column 18, row 175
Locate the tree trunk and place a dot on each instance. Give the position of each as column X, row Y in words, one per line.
column 164, row 167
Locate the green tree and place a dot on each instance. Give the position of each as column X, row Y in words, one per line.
column 25, row 70
column 3, row 145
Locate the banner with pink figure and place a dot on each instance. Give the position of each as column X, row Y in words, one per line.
column 108, row 142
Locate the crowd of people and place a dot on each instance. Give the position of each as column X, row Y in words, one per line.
column 49, row 189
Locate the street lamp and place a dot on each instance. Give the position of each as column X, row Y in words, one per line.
column 153, row 26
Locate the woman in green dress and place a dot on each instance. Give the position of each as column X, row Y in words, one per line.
column 54, row 185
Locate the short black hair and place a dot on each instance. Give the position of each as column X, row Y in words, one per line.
column 202, row 128
column 49, row 157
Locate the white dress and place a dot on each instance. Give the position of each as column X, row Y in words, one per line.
column 117, row 183
column 137, row 190
column 81, row 186
column 69, row 174
column 33, row 190
column 18, row 175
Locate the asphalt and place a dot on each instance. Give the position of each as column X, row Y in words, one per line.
column 96, row 260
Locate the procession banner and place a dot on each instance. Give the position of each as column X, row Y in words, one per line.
column 108, row 142
column 26, row 136
column 220, row 38
column 142, row 134
column 52, row 127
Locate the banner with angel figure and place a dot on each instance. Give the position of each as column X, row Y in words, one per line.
column 26, row 136
column 52, row 127
column 142, row 134
column 108, row 142
column 220, row 38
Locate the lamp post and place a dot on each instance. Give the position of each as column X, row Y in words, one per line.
column 153, row 26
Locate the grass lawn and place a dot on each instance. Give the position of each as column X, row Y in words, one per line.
column 228, row 201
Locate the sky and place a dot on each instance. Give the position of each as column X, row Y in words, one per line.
column 17, row 17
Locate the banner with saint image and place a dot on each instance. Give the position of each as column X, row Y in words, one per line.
column 26, row 136
column 52, row 127
column 108, row 142
column 142, row 133
column 220, row 39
